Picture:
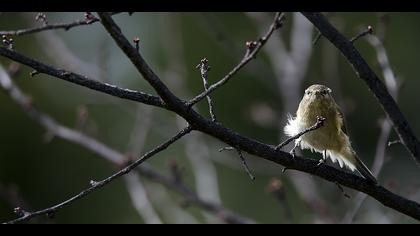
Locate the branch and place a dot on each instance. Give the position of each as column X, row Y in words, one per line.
column 81, row 80
column 65, row 26
column 204, row 69
column 368, row 30
column 375, row 85
column 140, row 199
column 135, row 57
column 319, row 123
column 253, row 48
column 241, row 156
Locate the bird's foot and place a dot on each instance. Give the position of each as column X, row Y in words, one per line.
column 293, row 152
column 320, row 162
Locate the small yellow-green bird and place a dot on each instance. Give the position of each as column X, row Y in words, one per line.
column 331, row 139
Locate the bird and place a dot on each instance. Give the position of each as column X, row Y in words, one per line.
column 331, row 139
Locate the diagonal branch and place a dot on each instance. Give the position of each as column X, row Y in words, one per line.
column 97, row 185
column 375, row 85
column 82, row 80
column 135, row 57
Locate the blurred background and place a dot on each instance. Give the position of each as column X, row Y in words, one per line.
column 38, row 169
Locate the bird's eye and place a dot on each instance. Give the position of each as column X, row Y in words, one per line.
column 308, row 92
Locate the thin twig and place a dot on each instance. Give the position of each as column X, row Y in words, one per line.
column 368, row 30
column 318, row 124
column 204, row 69
column 390, row 143
column 65, row 26
column 342, row 190
column 242, row 160
column 253, row 49
column 245, row 164
column 95, row 185
column 317, row 38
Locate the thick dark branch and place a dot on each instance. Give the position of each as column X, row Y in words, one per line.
column 82, row 80
column 253, row 49
column 97, row 185
column 375, row 85
column 135, row 57
column 65, row 26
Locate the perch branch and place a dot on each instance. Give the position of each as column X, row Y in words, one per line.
column 318, row 124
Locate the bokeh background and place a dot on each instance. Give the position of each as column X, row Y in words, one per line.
column 39, row 170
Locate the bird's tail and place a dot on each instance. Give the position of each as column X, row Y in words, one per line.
column 352, row 161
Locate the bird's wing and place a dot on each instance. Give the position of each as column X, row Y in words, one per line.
column 341, row 123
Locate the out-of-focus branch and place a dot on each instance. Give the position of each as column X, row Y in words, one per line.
column 224, row 214
column 375, row 85
column 136, row 189
column 391, row 84
column 140, row 199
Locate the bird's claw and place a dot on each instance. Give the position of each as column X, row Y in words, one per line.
column 320, row 162
column 293, row 152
